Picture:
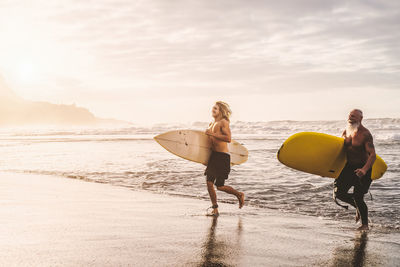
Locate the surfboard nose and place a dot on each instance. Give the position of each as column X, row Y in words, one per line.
column 157, row 136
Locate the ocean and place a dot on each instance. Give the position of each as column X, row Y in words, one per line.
column 129, row 157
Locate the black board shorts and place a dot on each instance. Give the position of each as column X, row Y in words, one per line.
column 218, row 168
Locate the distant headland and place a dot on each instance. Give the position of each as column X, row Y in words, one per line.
column 16, row 111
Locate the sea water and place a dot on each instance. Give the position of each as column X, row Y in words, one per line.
column 130, row 157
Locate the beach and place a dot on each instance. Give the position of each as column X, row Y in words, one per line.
column 54, row 221
column 112, row 114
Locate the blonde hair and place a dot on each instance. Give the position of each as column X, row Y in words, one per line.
column 224, row 109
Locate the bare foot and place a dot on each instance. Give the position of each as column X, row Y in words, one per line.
column 214, row 213
column 363, row 228
column 357, row 215
column 241, row 200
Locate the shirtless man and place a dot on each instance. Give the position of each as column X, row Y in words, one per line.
column 219, row 164
column 361, row 156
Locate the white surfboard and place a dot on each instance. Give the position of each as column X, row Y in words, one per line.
column 196, row 146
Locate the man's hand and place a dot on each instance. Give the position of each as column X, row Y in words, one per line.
column 360, row 172
column 209, row 132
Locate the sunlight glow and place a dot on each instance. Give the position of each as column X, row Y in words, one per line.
column 26, row 73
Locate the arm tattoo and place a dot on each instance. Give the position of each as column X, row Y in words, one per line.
column 368, row 137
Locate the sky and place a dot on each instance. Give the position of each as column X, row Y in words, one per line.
column 168, row 61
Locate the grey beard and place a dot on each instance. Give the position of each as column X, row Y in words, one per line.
column 351, row 129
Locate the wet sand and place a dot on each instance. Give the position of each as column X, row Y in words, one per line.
column 53, row 221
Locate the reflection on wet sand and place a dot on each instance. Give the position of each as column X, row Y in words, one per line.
column 359, row 249
column 356, row 256
column 222, row 251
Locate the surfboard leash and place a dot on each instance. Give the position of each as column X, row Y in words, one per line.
column 335, row 199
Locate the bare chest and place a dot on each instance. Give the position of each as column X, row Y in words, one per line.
column 215, row 127
column 358, row 142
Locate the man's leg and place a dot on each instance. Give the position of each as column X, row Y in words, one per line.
column 211, row 192
column 213, row 197
column 362, row 208
column 230, row 190
column 343, row 195
column 359, row 191
column 342, row 186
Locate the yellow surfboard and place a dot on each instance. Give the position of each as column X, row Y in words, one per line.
column 320, row 154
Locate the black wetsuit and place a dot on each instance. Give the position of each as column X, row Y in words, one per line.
column 345, row 181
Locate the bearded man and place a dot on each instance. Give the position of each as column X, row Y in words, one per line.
column 361, row 156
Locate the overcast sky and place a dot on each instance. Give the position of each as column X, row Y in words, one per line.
column 162, row 61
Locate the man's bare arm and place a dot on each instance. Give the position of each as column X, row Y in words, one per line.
column 226, row 132
column 370, row 148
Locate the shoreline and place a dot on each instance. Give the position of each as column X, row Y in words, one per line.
column 347, row 222
column 50, row 220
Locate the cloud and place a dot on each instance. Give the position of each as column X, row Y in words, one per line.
column 199, row 48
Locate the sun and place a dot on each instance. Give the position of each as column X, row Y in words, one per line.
column 21, row 73
column 26, row 73
column 22, row 76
